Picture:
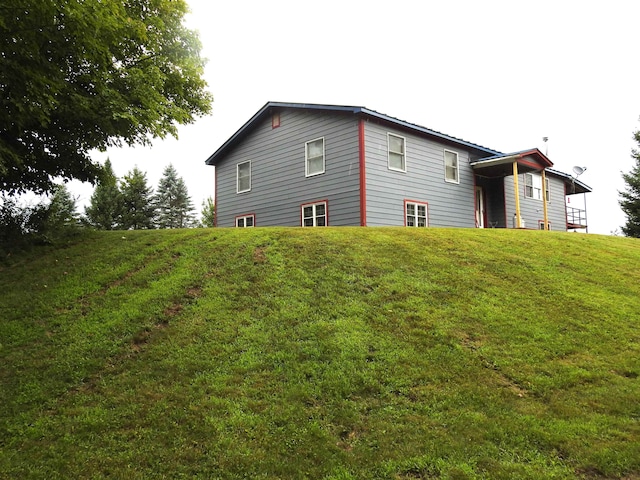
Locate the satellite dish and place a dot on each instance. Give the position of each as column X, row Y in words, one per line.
column 579, row 170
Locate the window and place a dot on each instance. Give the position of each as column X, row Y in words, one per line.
column 547, row 192
column 314, row 155
column 314, row 214
column 246, row 221
column 533, row 186
column 541, row 225
column 243, row 178
column 451, row 166
column 416, row 214
column 396, row 149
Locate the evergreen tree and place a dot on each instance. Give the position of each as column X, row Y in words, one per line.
column 630, row 201
column 173, row 203
column 137, row 208
column 105, row 210
column 208, row 213
column 62, row 209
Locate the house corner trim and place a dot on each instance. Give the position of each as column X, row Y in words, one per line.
column 363, row 176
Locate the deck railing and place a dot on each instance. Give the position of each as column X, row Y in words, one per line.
column 576, row 217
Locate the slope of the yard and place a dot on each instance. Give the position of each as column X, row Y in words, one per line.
column 322, row 353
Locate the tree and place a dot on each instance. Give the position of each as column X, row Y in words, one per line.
column 62, row 210
column 630, row 201
column 173, row 203
column 208, row 213
column 138, row 211
column 105, row 209
column 84, row 75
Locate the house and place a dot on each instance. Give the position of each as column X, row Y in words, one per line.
column 298, row 164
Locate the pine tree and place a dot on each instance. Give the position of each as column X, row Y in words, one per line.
column 208, row 213
column 137, row 208
column 105, row 210
column 62, row 209
column 630, row 201
column 173, row 203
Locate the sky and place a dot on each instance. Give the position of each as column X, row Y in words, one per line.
column 501, row 74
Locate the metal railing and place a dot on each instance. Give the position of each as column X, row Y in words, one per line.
column 576, row 216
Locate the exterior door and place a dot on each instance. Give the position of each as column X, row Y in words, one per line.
column 479, row 208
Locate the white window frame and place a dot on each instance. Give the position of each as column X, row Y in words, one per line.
column 415, row 218
column 238, row 177
column 541, row 225
column 403, row 153
column 244, row 218
column 456, row 167
column 533, row 189
column 307, row 173
column 547, row 189
column 314, row 216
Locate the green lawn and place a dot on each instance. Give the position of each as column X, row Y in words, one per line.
column 338, row 353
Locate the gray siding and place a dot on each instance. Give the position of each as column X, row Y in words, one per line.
column 278, row 184
column 531, row 210
column 450, row 204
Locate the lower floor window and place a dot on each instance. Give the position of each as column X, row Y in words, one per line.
column 246, row 221
column 541, row 225
column 314, row 214
column 416, row 214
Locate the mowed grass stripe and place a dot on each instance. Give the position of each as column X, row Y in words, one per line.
column 361, row 353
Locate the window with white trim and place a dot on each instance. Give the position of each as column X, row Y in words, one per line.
column 416, row 214
column 243, row 177
column 541, row 225
column 396, row 153
column 547, row 191
column 451, row 166
column 246, row 221
column 314, row 214
column 533, row 186
column 314, row 157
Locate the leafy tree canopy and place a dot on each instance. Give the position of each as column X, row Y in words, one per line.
column 80, row 75
column 630, row 198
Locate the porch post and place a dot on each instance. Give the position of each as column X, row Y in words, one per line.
column 544, row 201
column 516, row 192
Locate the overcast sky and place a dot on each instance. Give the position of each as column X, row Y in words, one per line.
column 502, row 74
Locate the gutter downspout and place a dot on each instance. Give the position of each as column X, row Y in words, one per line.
column 516, row 191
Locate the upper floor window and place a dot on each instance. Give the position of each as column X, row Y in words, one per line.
column 396, row 152
column 451, row 166
column 314, row 156
column 314, row 214
column 243, row 177
column 416, row 214
column 533, row 186
column 246, row 221
column 547, row 193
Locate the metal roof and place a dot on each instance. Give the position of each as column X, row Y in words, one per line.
column 253, row 121
column 570, row 180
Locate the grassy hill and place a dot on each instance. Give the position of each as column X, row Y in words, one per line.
column 323, row 354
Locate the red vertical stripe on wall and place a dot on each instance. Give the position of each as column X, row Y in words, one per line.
column 215, row 195
column 363, row 177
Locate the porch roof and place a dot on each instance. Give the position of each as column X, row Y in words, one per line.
column 502, row 165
